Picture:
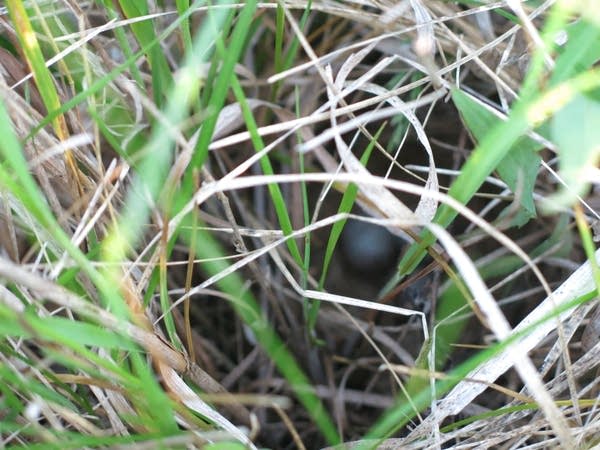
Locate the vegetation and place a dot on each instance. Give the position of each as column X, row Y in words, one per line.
column 299, row 224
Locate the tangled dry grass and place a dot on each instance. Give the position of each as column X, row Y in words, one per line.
column 174, row 183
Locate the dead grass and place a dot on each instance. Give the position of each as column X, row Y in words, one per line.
column 165, row 284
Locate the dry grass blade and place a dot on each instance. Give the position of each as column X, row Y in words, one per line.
column 497, row 322
column 576, row 285
column 168, row 360
column 299, row 223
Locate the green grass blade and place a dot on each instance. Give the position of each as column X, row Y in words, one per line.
column 274, row 191
column 146, row 36
column 33, row 53
column 217, row 100
column 494, row 147
column 279, row 31
column 124, row 44
column 519, row 168
column 346, row 205
column 292, row 52
column 155, row 158
column 21, row 384
column 588, row 244
column 247, row 308
column 204, row 43
column 186, row 35
column 399, row 415
column 165, row 301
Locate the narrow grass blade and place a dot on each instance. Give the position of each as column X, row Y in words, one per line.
column 494, row 147
column 41, row 75
column 217, row 100
column 247, row 308
column 274, row 191
column 35, row 59
column 186, row 36
column 162, row 79
column 346, row 205
column 400, row 415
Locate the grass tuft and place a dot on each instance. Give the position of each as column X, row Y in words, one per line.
column 177, row 265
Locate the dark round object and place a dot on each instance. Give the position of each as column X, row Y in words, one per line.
column 369, row 248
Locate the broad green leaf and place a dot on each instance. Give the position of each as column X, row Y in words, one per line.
column 518, row 169
column 579, row 53
column 575, row 130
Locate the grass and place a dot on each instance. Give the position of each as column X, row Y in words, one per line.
column 174, row 191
